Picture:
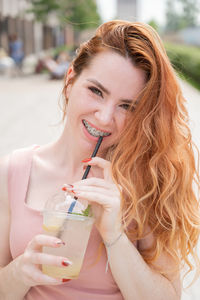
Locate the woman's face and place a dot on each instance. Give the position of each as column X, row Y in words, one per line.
column 99, row 98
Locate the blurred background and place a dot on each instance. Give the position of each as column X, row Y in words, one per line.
column 33, row 30
column 38, row 39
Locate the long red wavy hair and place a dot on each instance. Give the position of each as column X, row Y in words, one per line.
column 154, row 159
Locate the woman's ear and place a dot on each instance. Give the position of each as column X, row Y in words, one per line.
column 69, row 80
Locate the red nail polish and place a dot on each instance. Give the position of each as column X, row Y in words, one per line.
column 86, row 160
column 65, row 263
column 67, row 187
column 65, row 280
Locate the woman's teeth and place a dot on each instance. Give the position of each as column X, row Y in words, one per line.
column 93, row 131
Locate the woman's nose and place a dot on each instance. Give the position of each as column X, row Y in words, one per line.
column 105, row 114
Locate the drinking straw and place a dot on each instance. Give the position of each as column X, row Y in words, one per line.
column 87, row 171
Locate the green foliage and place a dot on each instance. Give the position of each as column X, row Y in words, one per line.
column 42, row 8
column 190, row 12
column 172, row 17
column 81, row 14
column 63, row 48
column 186, row 60
column 154, row 24
column 181, row 14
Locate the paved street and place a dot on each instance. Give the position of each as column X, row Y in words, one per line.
column 30, row 115
column 29, row 111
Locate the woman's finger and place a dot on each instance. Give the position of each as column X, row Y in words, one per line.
column 100, row 190
column 41, row 240
column 40, row 258
column 98, row 161
column 39, row 278
column 93, row 181
column 105, row 165
column 95, row 197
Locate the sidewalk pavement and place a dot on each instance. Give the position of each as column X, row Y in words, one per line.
column 29, row 111
column 30, row 115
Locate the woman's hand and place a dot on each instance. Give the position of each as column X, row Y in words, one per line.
column 27, row 267
column 104, row 197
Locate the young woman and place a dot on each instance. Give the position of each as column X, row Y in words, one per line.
column 121, row 86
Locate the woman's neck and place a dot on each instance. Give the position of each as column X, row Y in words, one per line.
column 66, row 152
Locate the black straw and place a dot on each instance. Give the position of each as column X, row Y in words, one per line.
column 93, row 155
column 87, row 171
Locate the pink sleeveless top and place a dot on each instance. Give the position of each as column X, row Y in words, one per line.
column 93, row 283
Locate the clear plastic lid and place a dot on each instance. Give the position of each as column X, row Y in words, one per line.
column 62, row 202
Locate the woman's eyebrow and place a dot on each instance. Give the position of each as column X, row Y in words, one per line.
column 97, row 83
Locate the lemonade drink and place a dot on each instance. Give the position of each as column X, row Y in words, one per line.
column 74, row 230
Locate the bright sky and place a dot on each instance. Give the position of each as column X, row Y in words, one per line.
column 152, row 9
column 148, row 9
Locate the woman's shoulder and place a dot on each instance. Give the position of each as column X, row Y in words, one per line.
column 11, row 160
column 21, row 158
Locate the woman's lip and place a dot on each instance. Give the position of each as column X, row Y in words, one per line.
column 97, row 128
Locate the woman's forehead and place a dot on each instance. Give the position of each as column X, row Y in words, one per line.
column 115, row 73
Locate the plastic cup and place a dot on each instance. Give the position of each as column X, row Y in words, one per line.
column 74, row 230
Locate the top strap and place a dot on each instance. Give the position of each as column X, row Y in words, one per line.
column 19, row 173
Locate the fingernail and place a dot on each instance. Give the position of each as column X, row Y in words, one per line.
column 65, row 280
column 86, row 160
column 69, row 190
column 59, row 243
column 65, row 263
column 67, row 186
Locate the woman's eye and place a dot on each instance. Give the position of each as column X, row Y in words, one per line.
column 96, row 91
column 125, row 106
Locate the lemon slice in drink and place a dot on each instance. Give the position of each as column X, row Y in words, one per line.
column 53, row 223
column 50, row 228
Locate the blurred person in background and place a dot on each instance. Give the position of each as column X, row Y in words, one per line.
column 16, row 51
column 56, row 66
column 7, row 64
column 122, row 86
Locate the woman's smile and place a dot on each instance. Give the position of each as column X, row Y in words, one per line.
column 94, row 131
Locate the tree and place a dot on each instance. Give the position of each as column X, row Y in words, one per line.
column 154, row 24
column 80, row 13
column 185, row 16
column 172, row 17
column 190, row 12
column 42, row 8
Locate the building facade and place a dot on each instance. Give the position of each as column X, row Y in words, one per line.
column 14, row 19
column 127, row 10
